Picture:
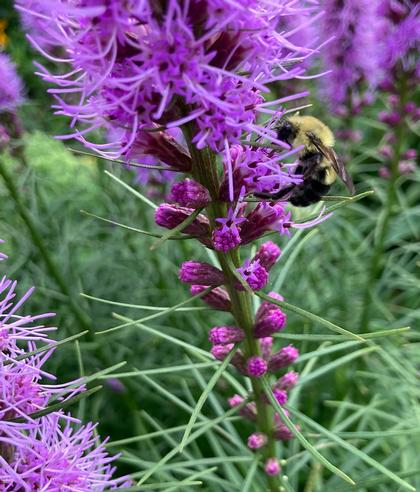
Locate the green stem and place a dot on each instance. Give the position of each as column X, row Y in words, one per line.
column 205, row 171
column 389, row 211
column 79, row 314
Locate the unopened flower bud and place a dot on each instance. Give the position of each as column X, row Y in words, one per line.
column 268, row 253
column 189, row 193
column 218, row 298
column 274, row 321
column 266, row 345
column 257, row 440
column 288, row 381
column 286, row 356
column 201, row 273
column 272, row 467
column 256, row 367
column 225, row 334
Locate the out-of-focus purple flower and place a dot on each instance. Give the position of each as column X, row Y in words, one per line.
column 353, row 53
column 286, row 356
column 200, row 273
column 272, row 467
column 257, row 440
column 218, row 298
column 4, row 140
column 11, row 88
column 189, row 193
column 254, row 274
column 115, row 385
column 226, row 334
column 54, row 456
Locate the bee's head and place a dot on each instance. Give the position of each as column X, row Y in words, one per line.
column 286, row 131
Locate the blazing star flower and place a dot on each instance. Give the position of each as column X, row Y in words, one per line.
column 146, row 64
column 54, row 456
column 11, row 88
column 352, row 55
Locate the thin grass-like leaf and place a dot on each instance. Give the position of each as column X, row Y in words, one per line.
column 305, row 443
column 333, row 338
column 349, row 447
column 200, row 403
column 313, row 317
column 162, row 370
column 132, row 190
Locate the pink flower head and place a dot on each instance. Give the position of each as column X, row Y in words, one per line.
column 254, row 274
column 189, row 193
column 286, row 356
column 256, row 367
column 11, row 87
column 201, row 273
column 222, row 335
column 272, row 467
column 218, row 298
column 272, row 322
column 257, row 440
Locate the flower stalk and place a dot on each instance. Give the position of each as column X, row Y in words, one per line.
column 204, row 171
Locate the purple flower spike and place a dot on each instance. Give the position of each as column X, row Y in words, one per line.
column 256, row 367
column 286, row 356
column 201, row 273
column 272, row 322
column 257, row 440
column 189, row 193
column 272, row 467
column 10, row 85
column 268, row 253
column 288, row 381
column 226, row 334
column 254, row 274
column 218, row 298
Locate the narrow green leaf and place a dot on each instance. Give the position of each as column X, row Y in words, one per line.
column 368, row 483
column 47, row 347
column 250, row 476
column 200, row 403
column 310, row 316
column 346, row 445
column 179, row 228
column 119, row 161
column 164, row 485
column 59, row 406
column 305, row 443
column 195, row 435
column 333, row 338
column 142, row 306
column 162, row 370
column 132, row 190
column 153, row 316
column 133, row 229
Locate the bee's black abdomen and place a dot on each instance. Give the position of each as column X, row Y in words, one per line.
column 309, row 192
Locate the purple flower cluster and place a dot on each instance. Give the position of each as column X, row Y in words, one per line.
column 148, row 64
column 11, row 88
column 40, row 453
column 352, row 54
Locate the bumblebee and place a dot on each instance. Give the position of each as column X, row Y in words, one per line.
column 318, row 162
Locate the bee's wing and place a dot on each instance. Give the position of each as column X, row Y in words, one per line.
column 337, row 165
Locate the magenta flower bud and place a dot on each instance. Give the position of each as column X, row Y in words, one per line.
column 286, row 356
column 170, row 216
column 268, row 253
column 266, row 345
column 391, row 119
column 201, row 273
column 274, row 321
column 257, row 440
column 283, row 433
column 254, row 274
column 266, row 307
column 410, row 154
column 218, row 298
column 189, row 193
column 386, row 151
column 280, row 396
column 272, row 467
column 220, row 352
column 235, row 400
column 288, row 381
column 115, row 385
column 393, row 99
column 384, row 172
column 410, row 107
column 256, row 367
column 223, row 335
column 406, row 167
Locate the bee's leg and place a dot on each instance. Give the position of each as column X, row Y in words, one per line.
column 276, row 196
